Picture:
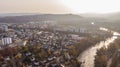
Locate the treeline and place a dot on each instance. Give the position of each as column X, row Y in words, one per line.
column 84, row 44
column 107, row 56
column 21, row 56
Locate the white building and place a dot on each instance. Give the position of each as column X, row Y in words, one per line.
column 4, row 27
column 6, row 41
column 82, row 30
column 76, row 37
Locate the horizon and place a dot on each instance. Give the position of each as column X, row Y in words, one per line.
column 61, row 13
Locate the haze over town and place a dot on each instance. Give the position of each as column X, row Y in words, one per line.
column 59, row 33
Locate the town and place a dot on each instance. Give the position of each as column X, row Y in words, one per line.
column 59, row 33
column 38, row 45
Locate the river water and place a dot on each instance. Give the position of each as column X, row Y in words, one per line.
column 88, row 56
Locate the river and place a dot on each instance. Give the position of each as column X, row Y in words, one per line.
column 88, row 56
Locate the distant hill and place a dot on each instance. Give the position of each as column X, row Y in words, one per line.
column 114, row 16
column 92, row 15
column 22, row 18
column 61, row 18
column 106, row 15
column 15, row 14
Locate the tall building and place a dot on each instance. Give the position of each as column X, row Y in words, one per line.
column 6, row 41
column 4, row 27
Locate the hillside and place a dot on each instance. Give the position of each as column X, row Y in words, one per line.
column 38, row 18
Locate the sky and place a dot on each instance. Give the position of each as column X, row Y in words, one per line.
column 59, row 6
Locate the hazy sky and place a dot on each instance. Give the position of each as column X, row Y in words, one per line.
column 59, row 6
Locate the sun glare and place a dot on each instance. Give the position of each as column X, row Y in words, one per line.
column 96, row 6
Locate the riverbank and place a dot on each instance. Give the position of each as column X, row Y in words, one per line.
column 108, row 57
column 87, row 57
